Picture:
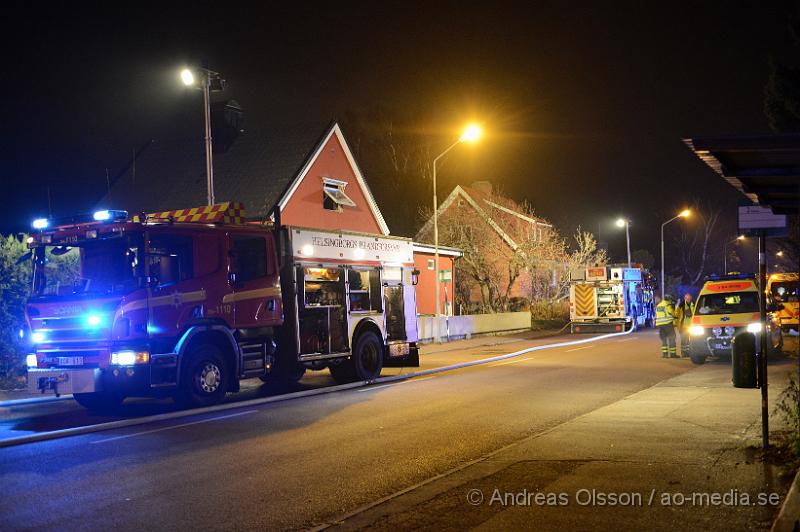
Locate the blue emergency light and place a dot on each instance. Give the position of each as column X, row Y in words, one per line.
column 110, row 216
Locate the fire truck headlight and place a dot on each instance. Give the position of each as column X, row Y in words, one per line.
column 40, row 223
column 31, row 361
column 38, row 337
column 754, row 327
column 730, row 330
column 697, row 330
column 129, row 357
column 716, row 331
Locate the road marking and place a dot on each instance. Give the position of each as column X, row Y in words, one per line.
column 579, row 348
column 626, row 339
column 124, row 436
column 509, row 362
column 370, row 388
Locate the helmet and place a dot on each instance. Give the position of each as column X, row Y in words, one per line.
column 669, row 298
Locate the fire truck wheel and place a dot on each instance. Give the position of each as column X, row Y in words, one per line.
column 204, row 378
column 100, row 402
column 367, row 359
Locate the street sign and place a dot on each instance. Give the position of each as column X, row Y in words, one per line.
column 445, row 276
column 757, row 220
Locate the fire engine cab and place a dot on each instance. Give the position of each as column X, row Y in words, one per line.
column 188, row 303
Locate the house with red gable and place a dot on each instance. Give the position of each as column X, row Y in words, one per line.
column 306, row 170
column 495, row 226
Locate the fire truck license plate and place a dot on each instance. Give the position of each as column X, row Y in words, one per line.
column 70, row 361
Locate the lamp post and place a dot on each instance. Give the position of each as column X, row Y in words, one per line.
column 471, row 134
column 207, row 78
column 725, row 252
column 683, row 214
column 626, row 223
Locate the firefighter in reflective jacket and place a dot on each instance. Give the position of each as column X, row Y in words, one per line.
column 665, row 321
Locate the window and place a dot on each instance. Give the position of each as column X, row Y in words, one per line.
column 786, row 291
column 322, row 287
column 431, row 264
column 333, row 195
column 365, row 290
column 250, row 259
column 728, row 303
column 170, row 258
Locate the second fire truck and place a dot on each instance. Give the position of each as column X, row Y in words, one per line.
column 188, row 303
column 610, row 298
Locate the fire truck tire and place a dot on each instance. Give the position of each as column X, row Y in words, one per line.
column 100, row 402
column 366, row 362
column 367, row 359
column 204, row 378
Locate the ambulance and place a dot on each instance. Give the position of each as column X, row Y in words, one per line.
column 728, row 305
column 783, row 288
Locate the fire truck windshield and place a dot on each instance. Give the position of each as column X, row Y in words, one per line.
column 786, row 291
column 108, row 266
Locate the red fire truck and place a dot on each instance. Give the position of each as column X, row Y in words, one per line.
column 188, row 303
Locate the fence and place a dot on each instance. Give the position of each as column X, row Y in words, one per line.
column 458, row 327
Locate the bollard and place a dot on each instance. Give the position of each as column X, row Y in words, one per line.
column 744, row 364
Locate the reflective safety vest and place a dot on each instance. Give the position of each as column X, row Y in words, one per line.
column 665, row 313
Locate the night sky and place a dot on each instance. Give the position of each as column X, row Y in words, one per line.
column 584, row 108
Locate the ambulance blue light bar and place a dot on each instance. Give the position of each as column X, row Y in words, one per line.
column 110, row 216
column 732, row 277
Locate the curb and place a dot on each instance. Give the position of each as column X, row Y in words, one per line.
column 76, row 431
column 788, row 519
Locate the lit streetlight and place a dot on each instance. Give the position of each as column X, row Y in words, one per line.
column 683, row 214
column 725, row 252
column 471, row 134
column 209, row 81
column 624, row 222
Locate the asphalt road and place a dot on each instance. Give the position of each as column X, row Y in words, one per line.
column 300, row 463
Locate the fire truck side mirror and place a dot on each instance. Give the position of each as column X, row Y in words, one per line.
column 414, row 276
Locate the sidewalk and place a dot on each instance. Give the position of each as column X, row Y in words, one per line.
column 692, row 434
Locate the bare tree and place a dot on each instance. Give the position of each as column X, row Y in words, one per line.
column 694, row 241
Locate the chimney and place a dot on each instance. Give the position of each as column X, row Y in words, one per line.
column 482, row 186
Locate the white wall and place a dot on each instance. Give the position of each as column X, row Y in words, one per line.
column 457, row 327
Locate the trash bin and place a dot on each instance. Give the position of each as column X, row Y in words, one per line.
column 743, row 361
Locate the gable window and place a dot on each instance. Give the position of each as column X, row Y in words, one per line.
column 333, row 195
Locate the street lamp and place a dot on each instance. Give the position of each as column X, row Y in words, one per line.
column 725, row 252
column 624, row 222
column 683, row 214
column 471, row 134
column 209, row 81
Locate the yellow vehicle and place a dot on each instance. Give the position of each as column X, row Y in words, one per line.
column 783, row 288
column 727, row 306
